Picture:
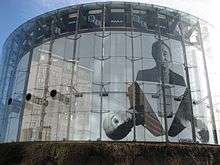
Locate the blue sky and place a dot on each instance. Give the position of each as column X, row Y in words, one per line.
column 15, row 12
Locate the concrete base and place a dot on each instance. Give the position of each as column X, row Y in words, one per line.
column 108, row 153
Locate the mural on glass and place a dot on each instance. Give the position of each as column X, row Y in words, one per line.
column 118, row 125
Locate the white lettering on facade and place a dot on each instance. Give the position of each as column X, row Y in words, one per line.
column 138, row 19
column 92, row 19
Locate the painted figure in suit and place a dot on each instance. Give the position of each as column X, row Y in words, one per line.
column 163, row 58
column 118, row 125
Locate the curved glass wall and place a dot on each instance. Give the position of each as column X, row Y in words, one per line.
column 107, row 71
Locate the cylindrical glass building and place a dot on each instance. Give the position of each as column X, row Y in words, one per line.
column 107, row 71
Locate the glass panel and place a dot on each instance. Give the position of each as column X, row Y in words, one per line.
column 89, row 87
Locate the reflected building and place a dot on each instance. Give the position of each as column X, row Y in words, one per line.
column 107, row 71
column 57, row 116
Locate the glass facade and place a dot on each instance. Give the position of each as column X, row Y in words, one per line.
column 107, row 71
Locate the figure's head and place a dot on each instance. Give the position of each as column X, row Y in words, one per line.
column 161, row 53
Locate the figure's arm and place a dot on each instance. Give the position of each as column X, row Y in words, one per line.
column 182, row 114
column 118, row 125
column 144, row 112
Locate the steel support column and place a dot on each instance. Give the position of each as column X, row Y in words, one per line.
column 102, row 83
column 208, row 87
column 46, row 83
column 133, row 76
column 74, row 62
column 188, row 83
column 163, row 82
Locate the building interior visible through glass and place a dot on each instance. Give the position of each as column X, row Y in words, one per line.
column 120, row 74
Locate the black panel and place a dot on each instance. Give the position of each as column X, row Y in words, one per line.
column 118, row 17
column 94, row 18
column 83, row 24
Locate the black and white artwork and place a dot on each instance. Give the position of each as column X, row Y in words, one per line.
column 118, row 125
column 163, row 58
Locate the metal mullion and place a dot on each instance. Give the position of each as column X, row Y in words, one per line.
column 188, row 84
column 60, row 89
column 162, row 81
column 102, row 70
column 46, row 82
column 133, row 76
column 37, row 70
column 72, row 75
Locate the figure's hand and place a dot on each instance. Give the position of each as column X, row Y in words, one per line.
column 118, row 125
